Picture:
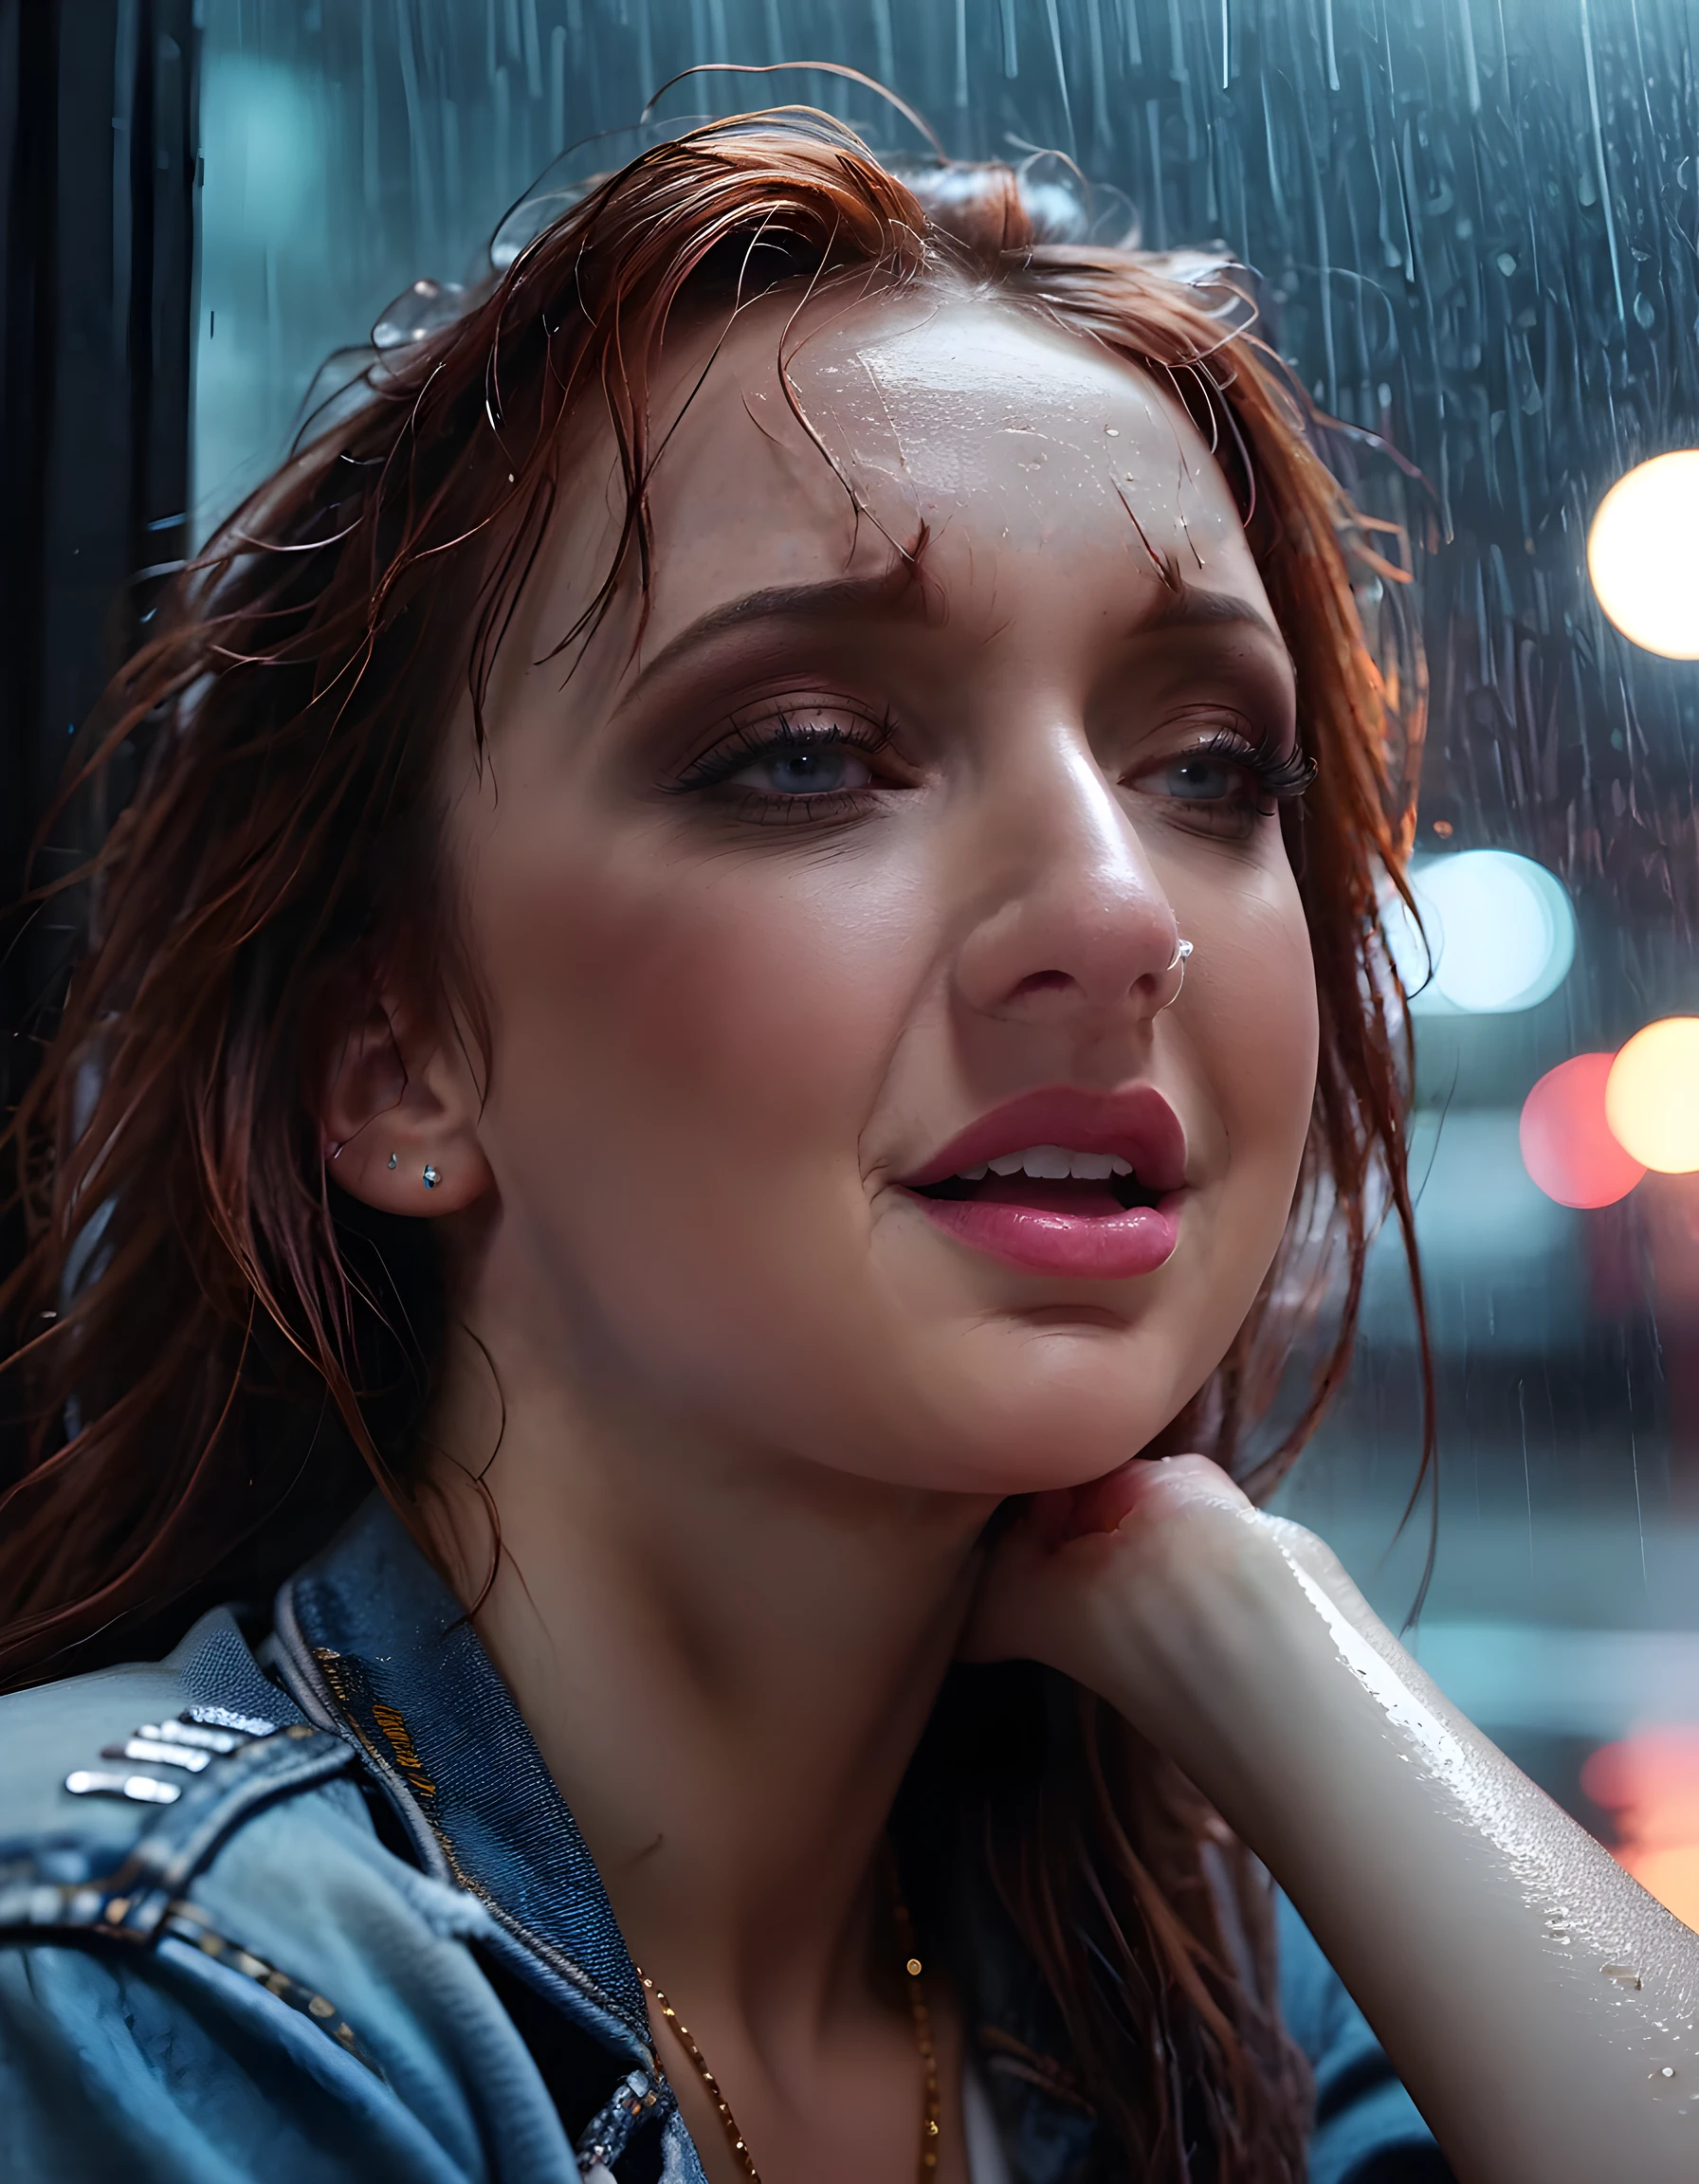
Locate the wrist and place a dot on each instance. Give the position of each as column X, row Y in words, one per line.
column 1237, row 1671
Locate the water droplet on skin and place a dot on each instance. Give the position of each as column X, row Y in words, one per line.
column 1113, row 430
column 1625, row 1975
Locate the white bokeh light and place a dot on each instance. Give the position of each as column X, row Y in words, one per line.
column 1643, row 554
column 1500, row 929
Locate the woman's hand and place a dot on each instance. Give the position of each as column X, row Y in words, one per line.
column 1539, row 2005
column 1162, row 1588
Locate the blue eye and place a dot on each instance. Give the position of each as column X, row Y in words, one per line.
column 821, row 768
column 829, row 770
column 1202, row 780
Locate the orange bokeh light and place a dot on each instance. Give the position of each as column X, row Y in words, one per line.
column 1567, row 1145
column 1650, row 1780
column 1650, row 1100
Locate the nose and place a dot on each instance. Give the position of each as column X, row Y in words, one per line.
column 1076, row 925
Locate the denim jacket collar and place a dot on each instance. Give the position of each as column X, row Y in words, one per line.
column 373, row 1644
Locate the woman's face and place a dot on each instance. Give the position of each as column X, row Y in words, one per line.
column 853, row 880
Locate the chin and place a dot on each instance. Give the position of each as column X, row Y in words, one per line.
column 1051, row 1414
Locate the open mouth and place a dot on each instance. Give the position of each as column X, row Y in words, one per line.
column 1050, row 1179
column 1099, row 1195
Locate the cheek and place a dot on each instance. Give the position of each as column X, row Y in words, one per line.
column 749, row 1008
column 1257, row 1034
column 686, row 1053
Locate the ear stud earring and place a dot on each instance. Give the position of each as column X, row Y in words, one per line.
column 391, row 1160
column 431, row 1177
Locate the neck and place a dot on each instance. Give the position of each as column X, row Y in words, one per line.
column 726, row 1655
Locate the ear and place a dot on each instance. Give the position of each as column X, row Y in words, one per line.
column 399, row 1116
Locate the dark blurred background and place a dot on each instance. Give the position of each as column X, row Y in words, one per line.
column 1474, row 225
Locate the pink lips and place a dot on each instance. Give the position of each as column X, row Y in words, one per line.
column 1112, row 1245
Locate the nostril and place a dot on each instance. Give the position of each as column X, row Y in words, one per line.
column 1045, row 982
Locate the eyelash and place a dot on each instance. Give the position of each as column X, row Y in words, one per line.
column 1280, row 776
column 776, row 734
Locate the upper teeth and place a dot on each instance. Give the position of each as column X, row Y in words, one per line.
column 1051, row 1163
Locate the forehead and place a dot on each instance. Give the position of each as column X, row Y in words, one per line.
column 812, row 445
column 981, row 409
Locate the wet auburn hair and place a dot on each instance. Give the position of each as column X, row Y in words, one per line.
column 215, row 1352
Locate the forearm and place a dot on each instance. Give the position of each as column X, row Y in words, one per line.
column 1529, row 1993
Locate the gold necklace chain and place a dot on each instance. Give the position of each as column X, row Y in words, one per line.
column 913, row 1972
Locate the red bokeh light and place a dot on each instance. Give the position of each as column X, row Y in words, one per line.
column 1566, row 1143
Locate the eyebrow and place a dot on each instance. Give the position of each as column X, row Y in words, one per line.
column 1188, row 607
column 896, row 593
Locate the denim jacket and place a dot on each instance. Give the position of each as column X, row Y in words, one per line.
column 317, row 1912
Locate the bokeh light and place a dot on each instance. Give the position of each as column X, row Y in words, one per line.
column 1500, row 933
column 1652, row 1097
column 1643, row 554
column 1567, row 1143
column 1649, row 1782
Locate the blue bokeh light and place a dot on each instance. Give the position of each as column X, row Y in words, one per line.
column 1500, row 933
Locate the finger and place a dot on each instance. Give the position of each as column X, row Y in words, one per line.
column 1149, row 1487
column 1103, row 1505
